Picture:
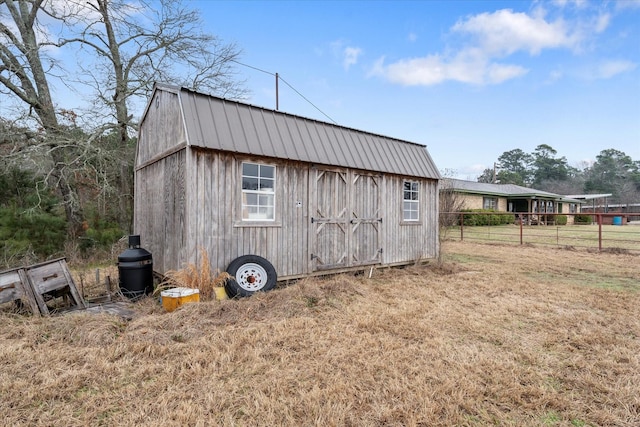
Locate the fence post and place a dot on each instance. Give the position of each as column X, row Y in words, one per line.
column 521, row 229
column 600, row 232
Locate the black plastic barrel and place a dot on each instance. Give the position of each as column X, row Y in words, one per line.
column 135, row 267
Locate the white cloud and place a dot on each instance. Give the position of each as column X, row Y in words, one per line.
column 351, row 55
column 347, row 55
column 489, row 39
column 579, row 4
column 498, row 73
column 627, row 4
column 554, row 76
column 466, row 67
column 602, row 22
column 609, row 69
column 505, row 32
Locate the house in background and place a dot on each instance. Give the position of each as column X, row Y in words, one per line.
column 510, row 198
column 238, row 182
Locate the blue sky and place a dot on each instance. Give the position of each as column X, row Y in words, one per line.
column 469, row 79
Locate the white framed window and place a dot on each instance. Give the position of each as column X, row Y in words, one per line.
column 411, row 201
column 490, row 203
column 258, row 192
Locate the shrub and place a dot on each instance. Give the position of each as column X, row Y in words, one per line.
column 582, row 219
column 42, row 231
column 482, row 217
column 561, row 219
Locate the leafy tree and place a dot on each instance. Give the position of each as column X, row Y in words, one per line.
column 514, row 167
column 614, row 172
column 32, row 226
column 487, row 176
column 548, row 168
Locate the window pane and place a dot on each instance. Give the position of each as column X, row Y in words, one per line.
column 407, row 195
column 251, row 199
column 267, row 171
column 414, row 186
column 407, row 185
column 265, row 200
column 266, row 184
column 250, row 169
column 249, row 183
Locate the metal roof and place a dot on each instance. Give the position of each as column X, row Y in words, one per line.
column 222, row 124
column 589, row 196
column 504, row 190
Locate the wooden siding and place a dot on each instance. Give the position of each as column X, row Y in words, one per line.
column 159, row 210
column 163, row 127
column 191, row 201
column 404, row 241
column 215, row 213
column 214, row 216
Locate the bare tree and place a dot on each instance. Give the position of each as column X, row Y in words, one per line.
column 24, row 72
column 132, row 46
column 122, row 49
column 450, row 204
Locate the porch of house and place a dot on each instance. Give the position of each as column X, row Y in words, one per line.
column 534, row 211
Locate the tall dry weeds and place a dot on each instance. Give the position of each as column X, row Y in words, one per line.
column 196, row 276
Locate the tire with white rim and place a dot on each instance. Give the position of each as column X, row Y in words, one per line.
column 249, row 274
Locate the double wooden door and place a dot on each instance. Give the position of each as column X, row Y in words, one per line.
column 346, row 219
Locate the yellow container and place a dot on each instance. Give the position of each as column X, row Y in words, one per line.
column 220, row 293
column 174, row 298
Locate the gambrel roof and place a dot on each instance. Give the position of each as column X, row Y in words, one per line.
column 222, row 124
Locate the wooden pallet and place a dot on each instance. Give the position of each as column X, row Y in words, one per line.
column 35, row 284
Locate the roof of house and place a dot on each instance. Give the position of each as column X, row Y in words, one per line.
column 223, row 124
column 504, row 190
column 589, row 196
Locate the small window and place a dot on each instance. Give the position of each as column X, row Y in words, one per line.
column 490, row 203
column 411, row 201
column 258, row 192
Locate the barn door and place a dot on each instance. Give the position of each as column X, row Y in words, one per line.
column 330, row 220
column 365, row 220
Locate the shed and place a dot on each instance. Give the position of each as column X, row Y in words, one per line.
column 234, row 180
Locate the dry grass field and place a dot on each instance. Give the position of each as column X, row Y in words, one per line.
column 495, row 335
column 609, row 237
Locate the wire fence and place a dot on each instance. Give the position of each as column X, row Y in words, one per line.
column 601, row 232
